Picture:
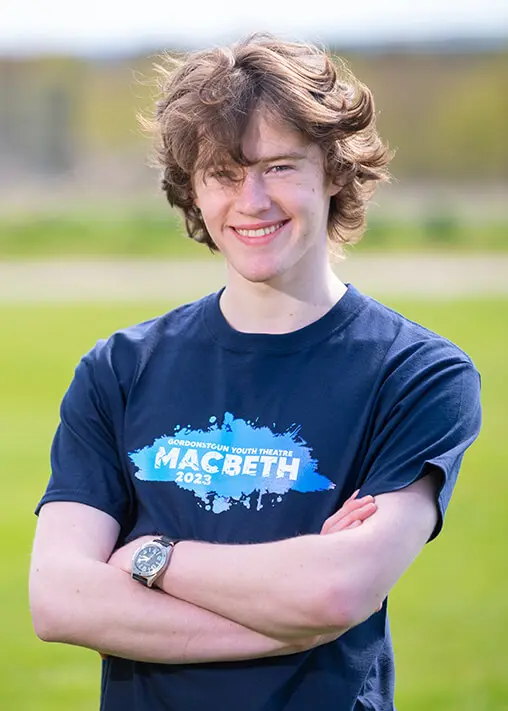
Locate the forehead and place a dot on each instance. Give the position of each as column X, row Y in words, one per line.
column 267, row 136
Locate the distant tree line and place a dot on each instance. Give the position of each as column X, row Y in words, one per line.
column 445, row 114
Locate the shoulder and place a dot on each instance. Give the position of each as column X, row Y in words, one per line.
column 409, row 364
column 123, row 355
column 405, row 341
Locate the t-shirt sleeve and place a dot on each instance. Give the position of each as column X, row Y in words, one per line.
column 430, row 414
column 85, row 461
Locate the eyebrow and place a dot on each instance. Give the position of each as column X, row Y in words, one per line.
column 295, row 155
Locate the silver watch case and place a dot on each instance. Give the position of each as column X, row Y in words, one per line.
column 150, row 560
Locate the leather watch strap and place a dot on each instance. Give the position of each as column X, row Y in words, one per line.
column 166, row 541
column 140, row 579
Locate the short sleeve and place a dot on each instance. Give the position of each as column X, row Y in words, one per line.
column 429, row 414
column 85, row 460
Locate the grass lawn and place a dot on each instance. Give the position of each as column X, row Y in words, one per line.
column 449, row 613
column 155, row 231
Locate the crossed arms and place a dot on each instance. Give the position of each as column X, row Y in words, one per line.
column 221, row 602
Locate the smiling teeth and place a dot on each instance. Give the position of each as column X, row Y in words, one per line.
column 260, row 233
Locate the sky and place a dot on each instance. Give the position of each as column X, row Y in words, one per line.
column 32, row 26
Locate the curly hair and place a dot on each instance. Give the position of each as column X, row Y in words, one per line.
column 207, row 98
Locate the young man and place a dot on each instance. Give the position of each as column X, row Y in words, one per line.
column 255, row 426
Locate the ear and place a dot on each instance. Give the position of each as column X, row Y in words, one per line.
column 193, row 191
column 336, row 186
column 195, row 199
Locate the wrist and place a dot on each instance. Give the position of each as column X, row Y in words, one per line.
column 151, row 559
column 121, row 558
column 174, row 578
column 165, row 580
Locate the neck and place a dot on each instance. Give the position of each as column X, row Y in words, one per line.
column 279, row 307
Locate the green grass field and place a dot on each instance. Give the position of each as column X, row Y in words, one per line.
column 449, row 614
column 153, row 230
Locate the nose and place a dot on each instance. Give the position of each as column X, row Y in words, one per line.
column 252, row 196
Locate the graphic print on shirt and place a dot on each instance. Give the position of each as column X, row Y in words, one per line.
column 232, row 463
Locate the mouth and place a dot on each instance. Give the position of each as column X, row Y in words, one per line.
column 261, row 235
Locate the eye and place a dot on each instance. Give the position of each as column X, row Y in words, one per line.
column 224, row 175
column 280, row 168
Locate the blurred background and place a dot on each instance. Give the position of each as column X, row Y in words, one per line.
column 73, row 80
column 88, row 245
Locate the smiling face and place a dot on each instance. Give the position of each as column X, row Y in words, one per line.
column 271, row 222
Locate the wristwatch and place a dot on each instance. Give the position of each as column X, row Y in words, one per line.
column 151, row 560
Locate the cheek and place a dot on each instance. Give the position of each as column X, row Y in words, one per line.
column 210, row 212
column 213, row 205
column 303, row 196
column 214, row 220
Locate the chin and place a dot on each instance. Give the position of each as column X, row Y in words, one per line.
column 260, row 275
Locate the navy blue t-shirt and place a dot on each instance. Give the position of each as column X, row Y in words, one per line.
column 184, row 426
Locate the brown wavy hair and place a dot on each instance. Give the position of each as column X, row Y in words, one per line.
column 207, row 98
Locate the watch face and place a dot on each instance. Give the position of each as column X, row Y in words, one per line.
column 150, row 559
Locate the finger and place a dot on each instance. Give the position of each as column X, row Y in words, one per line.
column 355, row 524
column 356, row 503
column 380, row 606
column 334, row 524
column 359, row 515
column 353, row 495
column 350, row 506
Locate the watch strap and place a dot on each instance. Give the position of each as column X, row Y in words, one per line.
column 166, row 541
column 140, row 578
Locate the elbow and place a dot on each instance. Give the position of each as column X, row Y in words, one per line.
column 44, row 623
column 47, row 619
column 46, row 611
column 42, row 630
column 336, row 608
column 342, row 607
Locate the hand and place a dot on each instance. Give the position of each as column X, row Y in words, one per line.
column 351, row 514
column 122, row 557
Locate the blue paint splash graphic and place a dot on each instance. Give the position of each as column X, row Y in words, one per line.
column 236, row 462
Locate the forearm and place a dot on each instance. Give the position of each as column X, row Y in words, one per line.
column 278, row 589
column 97, row 606
column 309, row 584
column 275, row 588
